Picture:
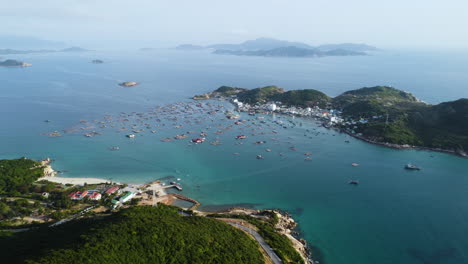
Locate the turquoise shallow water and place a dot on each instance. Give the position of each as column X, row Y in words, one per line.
column 392, row 216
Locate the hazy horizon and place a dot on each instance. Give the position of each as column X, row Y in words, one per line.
column 145, row 23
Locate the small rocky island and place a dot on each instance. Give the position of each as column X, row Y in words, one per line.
column 380, row 115
column 128, row 84
column 14, row 63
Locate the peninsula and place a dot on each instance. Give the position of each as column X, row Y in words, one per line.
column 381, row 115
column 102, row 222
column 268, row 47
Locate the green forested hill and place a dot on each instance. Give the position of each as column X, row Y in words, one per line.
column 402, row 119
column 259, row 95
column 304, row 98
column 16, row 175
column 370, row 101
column 135, row 235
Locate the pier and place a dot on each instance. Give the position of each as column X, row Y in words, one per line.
column 177, row 186
column 181, row 197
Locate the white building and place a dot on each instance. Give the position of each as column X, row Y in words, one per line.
column 126, row 197
column 272, row 107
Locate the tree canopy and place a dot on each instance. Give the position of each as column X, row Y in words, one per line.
column 134, row 235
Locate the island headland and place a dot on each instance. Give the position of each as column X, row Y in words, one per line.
column 14, row 63
column 380, row 115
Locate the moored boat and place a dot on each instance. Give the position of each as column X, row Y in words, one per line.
column 410, row 166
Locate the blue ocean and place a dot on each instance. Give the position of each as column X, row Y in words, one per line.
column 393, row 216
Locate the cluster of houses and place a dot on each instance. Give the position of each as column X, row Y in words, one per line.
column 124, row 195
column 330, row 117
column 91, row 194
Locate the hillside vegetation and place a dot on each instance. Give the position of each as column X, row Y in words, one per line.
column 368, row 102
column 304, row 98
column 134, row 235
column 266, row 228
column 259, row 95
column 402, row 119
column 17, row 175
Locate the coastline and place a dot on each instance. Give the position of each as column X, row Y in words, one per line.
column 49, row 174
column 284, row 226
column 405, row 147
column 74, row 181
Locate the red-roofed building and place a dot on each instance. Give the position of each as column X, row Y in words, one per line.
column 112, row 189
column 78, row 195
column 95, row 196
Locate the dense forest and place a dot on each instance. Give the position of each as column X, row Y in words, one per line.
column 17, row 175
column 266, row 228
column 134, row 235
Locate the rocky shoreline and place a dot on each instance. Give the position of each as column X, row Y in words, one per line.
column 285, row 226
column 406, row 147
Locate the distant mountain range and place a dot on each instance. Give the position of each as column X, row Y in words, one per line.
column 268, row 47
column 12, row 51
column 290, row 51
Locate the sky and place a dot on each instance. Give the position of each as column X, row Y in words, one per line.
column 161, row 23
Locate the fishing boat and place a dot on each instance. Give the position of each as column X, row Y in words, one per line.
column 198, row 140
column 180, row 136
column 354, row 164
column 241, row 137
column 353, row 182
column 130, row 136
column 259, row 157
column 410, row 166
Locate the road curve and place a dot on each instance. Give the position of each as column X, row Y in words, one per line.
column 261, row 241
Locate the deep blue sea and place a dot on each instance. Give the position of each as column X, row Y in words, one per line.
column 393, row 216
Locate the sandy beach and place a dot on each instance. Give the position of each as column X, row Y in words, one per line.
column 74, row 181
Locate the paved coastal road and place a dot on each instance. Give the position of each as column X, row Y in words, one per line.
column 263, row 244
